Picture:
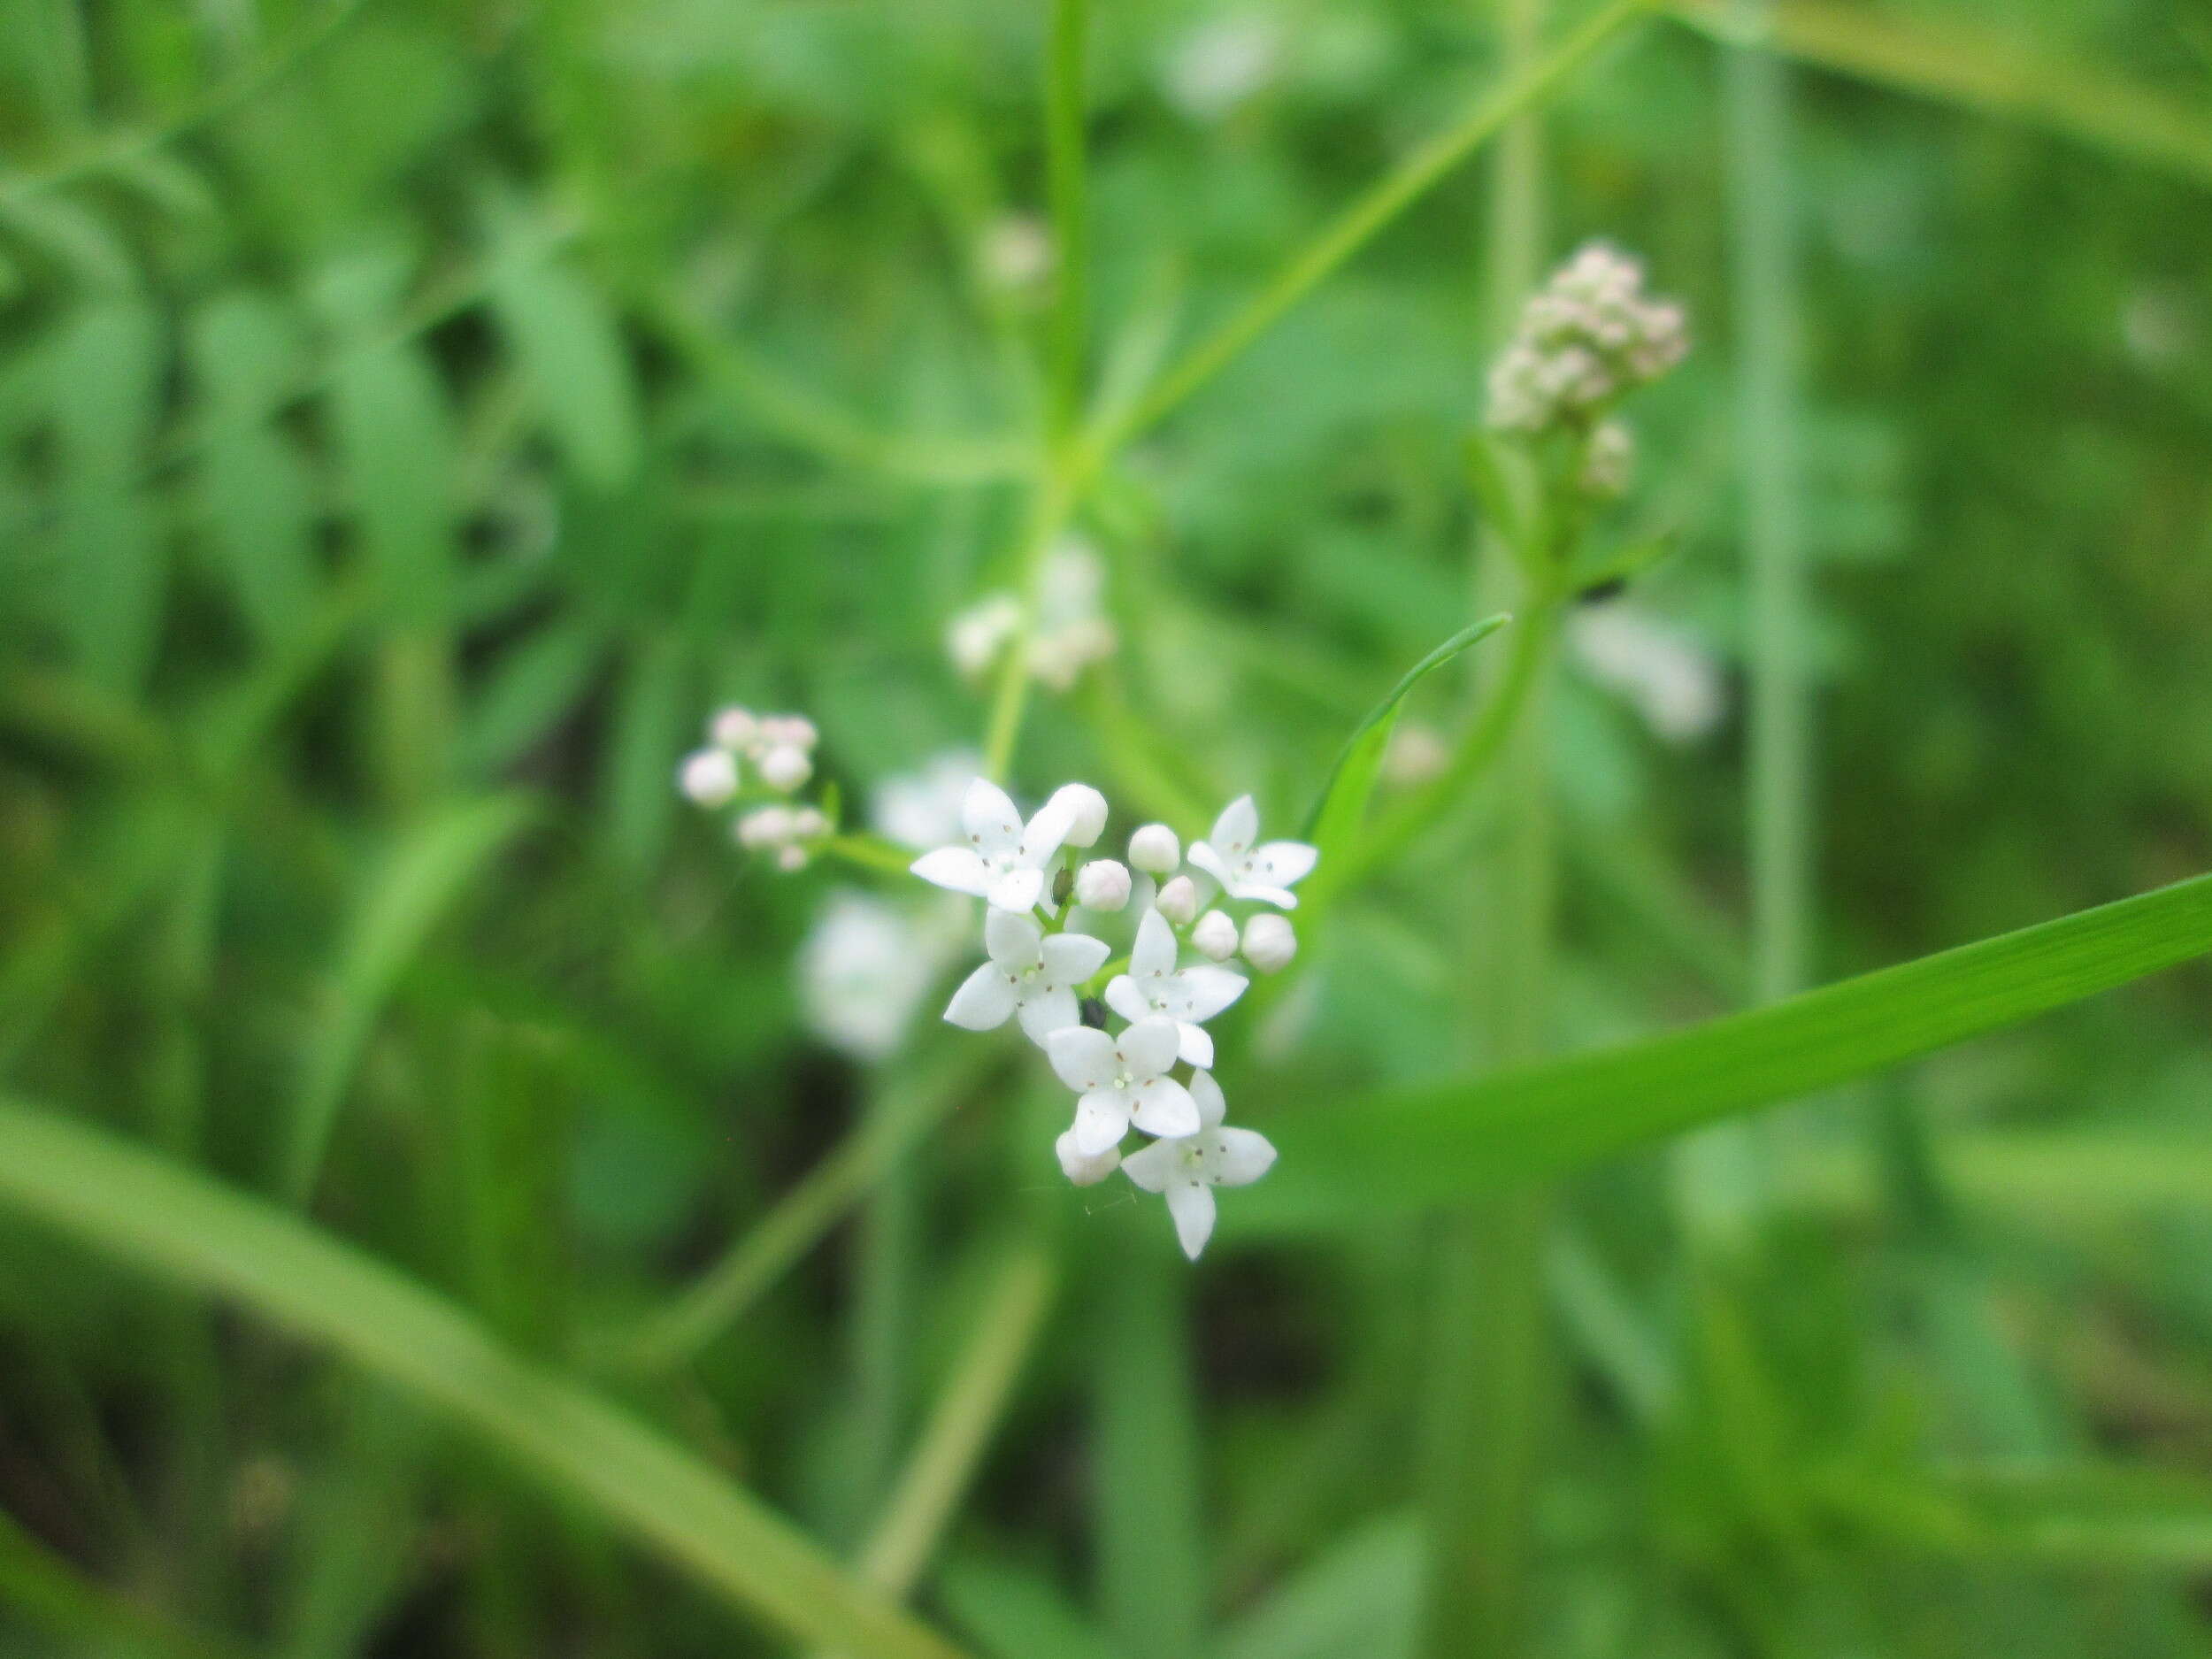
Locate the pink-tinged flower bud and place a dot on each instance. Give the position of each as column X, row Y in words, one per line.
column 709, row 777
column 1178, row 901
column 733, row 728
column 786, row 767
column 1103, row 884
column 1215, row 935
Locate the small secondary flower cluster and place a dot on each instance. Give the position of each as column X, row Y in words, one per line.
column 1072, row 632
column 1044, row 969
column 1586, row 339
column 759, row 756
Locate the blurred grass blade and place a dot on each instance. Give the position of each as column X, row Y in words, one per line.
column 1151, row 1539
column 1405, row 1146
column 566, row 337
column 2089, row 1516
column 428, row 869
column 106, row 369
column 1335, row 821
column 1354, row 1600
column 126, row 1203
column 1959, row 63
column 1015, row 1614
column 534, row 687
column 40, row 1588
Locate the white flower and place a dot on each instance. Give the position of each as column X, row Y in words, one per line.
column 791, row 731
column 786, row 767
column 1215, row 935
column 766, row 826
column 862, row 972
column 1187, row 1168
column 1004, row 860
column 709, row 777
column 1178, row 900
column 1673, row 682
column 1155, row 988
column 1086, row 813
column 1102, row 884
column 1154, row 850
column 1220, row 64
column 1084, row 1169
column 922, row 810
column 1122, row 1079
column 1269, row 943
column 1028, row 974
column 791, row 859
column 1014, row 251
column 1249, row 871
column 733, row 728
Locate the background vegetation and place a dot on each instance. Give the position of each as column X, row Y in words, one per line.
column 415, row 415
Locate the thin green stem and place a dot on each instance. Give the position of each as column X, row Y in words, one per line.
column 1049, row 509
column 1069, row 188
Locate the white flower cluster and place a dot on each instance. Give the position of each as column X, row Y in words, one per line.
column 1072, row 631
column 1589, row 336
column 759, row 756
column 1044, row 964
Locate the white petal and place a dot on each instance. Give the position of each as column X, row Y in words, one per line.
column 1012, row 939
column 1152, row 1167
column 1211, row 1108
column 1193, row 1207
column 955, row 867
column 1084, row 1169
column 1281, row 898
column 1046, row 1011
column 1071, row 958
column 983, row 1000
column 1149, row 1046
column 1101, row 1117
column 1046, row 831
column 1208, row 991
column 1283, row 862
column 1239, row 1157
column 1204, row 856
column 1236, row 829
column 989, row 817
column 1126, row 1000
column 1155, row 949
column 1083, row 1057
column 1020, row 889
column 1197, row 1047
column 1162, row 1106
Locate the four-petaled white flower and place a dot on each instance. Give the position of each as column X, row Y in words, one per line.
column 1123, row 1080
column 1028, row 974
column 1155, row 986
column 1004, row 860
column 1187, row 1168
column 1250, row 871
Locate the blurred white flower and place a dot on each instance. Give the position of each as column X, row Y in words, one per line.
column 1269, row 943
column 1122, row 1080
column 709, row 777
column 1155, row 986
column 1245, row 871
column 1672, row 681
column 978, row 634
column 1004, row 859
column 1015, row 251
column 1416, row 754
column 1154, row 850
column 1072, row 632
column 784, row 767
column 1220, row 64
column 1187, row 1168
column 1029, row 975
column 922, row 809
column 1215, row 935
column 863, row 971
column 1585, row 338
column 1609, row 460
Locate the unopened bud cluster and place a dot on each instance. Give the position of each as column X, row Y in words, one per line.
column 753, row 762
column 1588, row 338
column 1072, row 632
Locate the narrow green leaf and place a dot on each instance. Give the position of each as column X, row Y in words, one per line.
column 1356, row 1598
column 128, row 1203
column 532, row 688
column 1335, row 821
column 1015, row 1615
column 570, row 347
column 426, row 872
column 1406, row 1146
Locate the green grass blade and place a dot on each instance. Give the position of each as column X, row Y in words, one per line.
column 127, row 1203
column 427, row 871
column 1015, row 1615
column 1341, row 806
column 1406, row 1146
column 571, row 348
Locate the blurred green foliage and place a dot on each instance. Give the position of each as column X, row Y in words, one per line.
column 415, row 414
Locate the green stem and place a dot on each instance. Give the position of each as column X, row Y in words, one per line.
column 1490, row 1357
column 1048, row 512
column 1069, row 188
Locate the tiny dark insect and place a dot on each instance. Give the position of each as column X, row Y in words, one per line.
column 1063, row 886
column 1093, row 1013
column 1603, row 591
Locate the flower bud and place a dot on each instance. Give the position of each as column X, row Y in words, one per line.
column 1103, row 884
column 809, row 824
column 1154, row 850
column 1215, row 935
column 733, row 728
column 794, row 730
column 1269, row 942
column 786, row 767
column 765, row 827
column 1089, row 807
column 791, row 859
column 708, row 777
column 1178, row 901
